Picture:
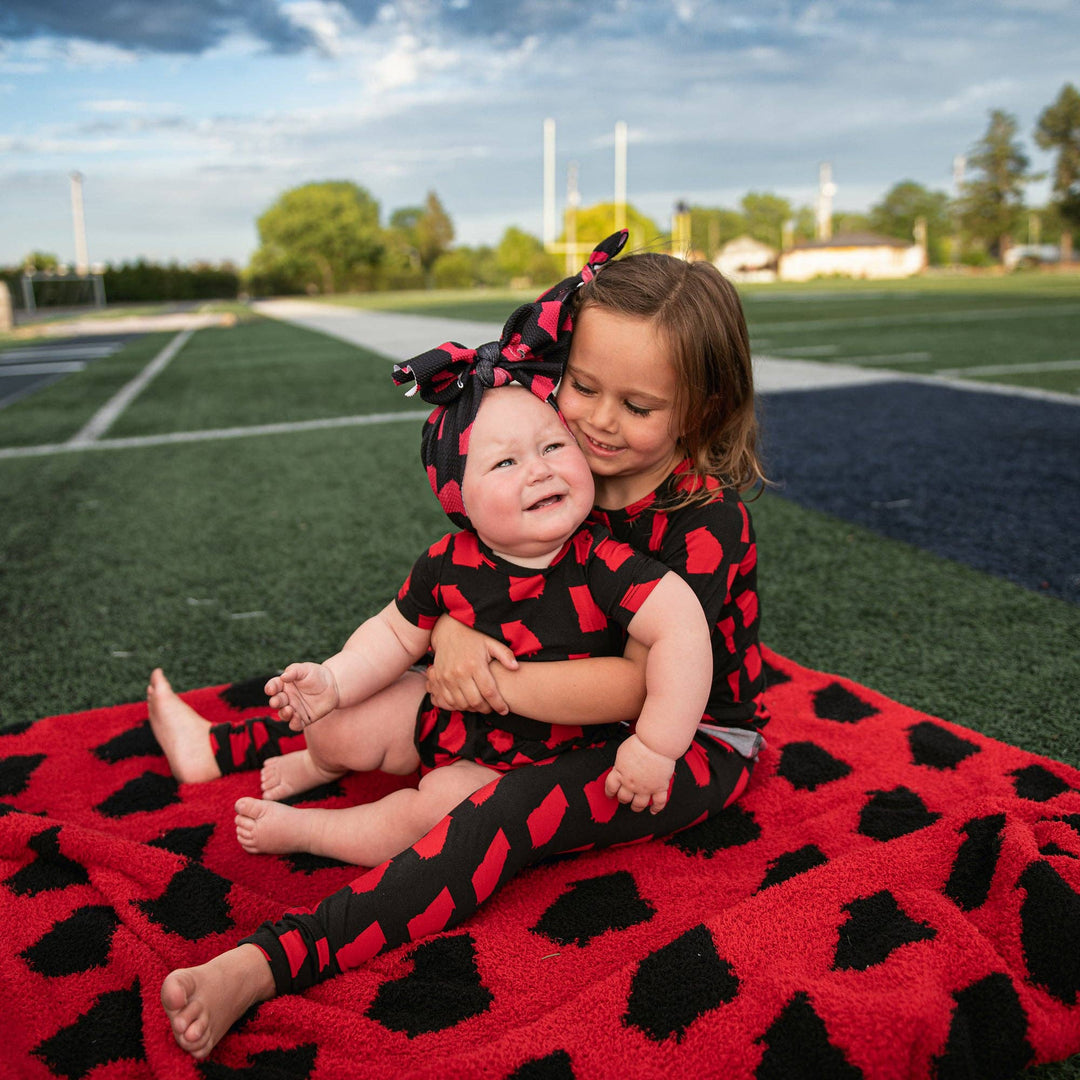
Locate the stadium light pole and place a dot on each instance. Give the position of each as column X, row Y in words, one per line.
column 826, row 191
column 549, row 184
column 82, row 262
column 573, row 201
column 620, row 175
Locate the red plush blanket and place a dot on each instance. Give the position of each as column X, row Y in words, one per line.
column 895, row 896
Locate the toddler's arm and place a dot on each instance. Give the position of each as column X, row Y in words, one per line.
column 379, row 651
column 471, row 671
column 461, row 675
column 678, row 677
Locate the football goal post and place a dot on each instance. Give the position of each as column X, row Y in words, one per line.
column 54, row 290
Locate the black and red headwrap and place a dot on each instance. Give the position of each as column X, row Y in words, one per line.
column 532, row 350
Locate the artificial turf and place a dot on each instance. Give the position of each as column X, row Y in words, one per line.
column 920, row 325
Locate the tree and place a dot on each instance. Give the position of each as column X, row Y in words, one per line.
column 904, row 203
column 453, row 270
column 805, row 223
column 991, row 204
column 434, row 232
column 520, row 255
column 765, row 216
column 711, row 227
column 38, row 262
column 322, row 237
column 1058, row 128
column 846, row 222
column 426, row 231
column 596, row 223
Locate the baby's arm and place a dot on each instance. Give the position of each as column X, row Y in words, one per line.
column 379, row 651
column 471, row 671
column 678, row 677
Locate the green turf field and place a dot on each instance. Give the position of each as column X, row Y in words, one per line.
column 1023, row 327
column 224, row 558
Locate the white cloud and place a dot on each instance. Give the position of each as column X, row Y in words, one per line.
column 113, row 105
column 327, row 21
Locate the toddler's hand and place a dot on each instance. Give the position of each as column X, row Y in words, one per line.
column 302, row 694
column 460, row 677
column 640, row 776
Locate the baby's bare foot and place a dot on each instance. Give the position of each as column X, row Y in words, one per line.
column 183, row 734
column 293, row 773
column 272, row 828
column 203, row 1002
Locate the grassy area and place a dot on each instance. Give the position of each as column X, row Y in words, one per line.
column 60, row 410
column 160, row 554
column 919, row 325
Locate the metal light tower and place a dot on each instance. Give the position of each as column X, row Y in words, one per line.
column 82, row 262
column 620, row 175
column 549, row 183
column 826, row 191
column 573, row 201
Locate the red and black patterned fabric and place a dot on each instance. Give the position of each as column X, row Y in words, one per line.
column 578, row 606
column 892, row 897
column 532, row 350
column 246, row 746
column 553, row 807
column 712, row 547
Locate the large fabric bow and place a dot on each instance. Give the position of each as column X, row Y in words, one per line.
column 532, row 350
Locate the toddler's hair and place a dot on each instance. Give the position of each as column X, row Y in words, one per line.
column 697, row 311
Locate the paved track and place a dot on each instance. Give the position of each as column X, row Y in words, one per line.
column 402, row 336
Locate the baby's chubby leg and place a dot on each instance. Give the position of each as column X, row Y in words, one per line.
column 376, row 734
column 364, row 835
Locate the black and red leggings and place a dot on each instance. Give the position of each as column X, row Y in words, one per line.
column 527, row 814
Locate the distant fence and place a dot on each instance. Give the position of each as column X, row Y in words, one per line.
column 138, row 282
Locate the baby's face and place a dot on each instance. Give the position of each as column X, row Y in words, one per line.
column 527, row 486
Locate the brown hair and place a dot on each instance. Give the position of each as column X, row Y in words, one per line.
column 698, row 312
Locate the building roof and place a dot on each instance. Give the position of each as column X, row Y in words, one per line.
column 746, row 243
column 853, row 240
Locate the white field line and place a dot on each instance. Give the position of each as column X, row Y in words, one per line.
column 171, row 438
column 972, row 386
column 1014, row 369
column 107, row 415
column 1047, row 310
column 886, row 358
column 795, row 351
column 62, row 367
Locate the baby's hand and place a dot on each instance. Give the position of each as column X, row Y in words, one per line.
column 302, row 694
column 640, row 776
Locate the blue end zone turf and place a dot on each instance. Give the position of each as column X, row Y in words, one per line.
column 990, row 480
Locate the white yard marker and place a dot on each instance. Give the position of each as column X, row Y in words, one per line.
column 138, row 442
column 107, row 415
column 889, row 358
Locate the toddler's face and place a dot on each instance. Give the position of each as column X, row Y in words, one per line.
column 527, row 486
column 618, row 397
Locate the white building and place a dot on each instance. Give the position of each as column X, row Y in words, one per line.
column 746, row 259
column 856, row 255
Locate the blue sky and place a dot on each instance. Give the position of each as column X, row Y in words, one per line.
column 188, row 118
